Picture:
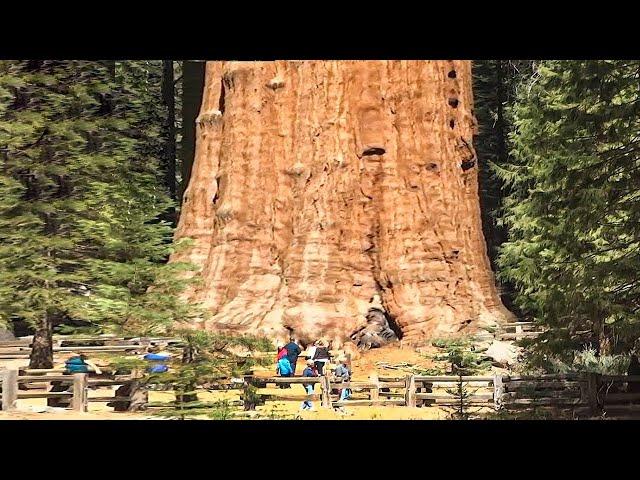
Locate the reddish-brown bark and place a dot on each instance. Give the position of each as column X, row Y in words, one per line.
column 322, row 188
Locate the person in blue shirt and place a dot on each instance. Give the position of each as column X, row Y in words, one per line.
column 310, row 371
column 75, row 363
column 284, row 370
column 157, row 360
column 80, row 364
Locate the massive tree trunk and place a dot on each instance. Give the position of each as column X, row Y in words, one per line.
column 321, row 189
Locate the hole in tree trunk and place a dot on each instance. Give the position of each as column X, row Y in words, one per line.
column 381, row 329
column 373, row 151
column 394, row 326
column 221, row 100
column 467, row 164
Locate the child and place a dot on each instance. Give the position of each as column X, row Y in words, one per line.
column 284, row 370
column 310, row 371
column 282, row 352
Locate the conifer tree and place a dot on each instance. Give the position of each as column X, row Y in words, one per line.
column 80, row 194
column 494, row 87
column 210, row 359
column 573, row 210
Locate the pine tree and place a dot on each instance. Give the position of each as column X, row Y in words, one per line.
column 53, row 118
column 135, row 290
column 573, row 210
column 464, row 361
column 80, row 194
column 494, row 87
column 211, row 359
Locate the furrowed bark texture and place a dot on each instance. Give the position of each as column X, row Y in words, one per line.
column 323, row 188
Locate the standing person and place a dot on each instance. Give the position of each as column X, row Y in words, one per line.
column 282, row 353
column 284, row 369
column 321, row 356
column 81, row 364
column 310, row 371
column 293, row 351
column 342, row 374
column 157, row 360
column 75, row 363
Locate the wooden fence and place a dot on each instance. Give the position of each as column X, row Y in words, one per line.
column 583, row 394
column 20, row 348
column 517, row 331
column 66, row 390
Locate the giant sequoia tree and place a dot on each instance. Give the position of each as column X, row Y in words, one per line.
column 321, row 189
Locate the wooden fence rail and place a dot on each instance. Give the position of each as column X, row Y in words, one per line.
column 53, row 384
column 589, row 394
column 518, row 330
column 21, row 347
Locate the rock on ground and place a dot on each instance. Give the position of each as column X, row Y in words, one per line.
column 503, row 354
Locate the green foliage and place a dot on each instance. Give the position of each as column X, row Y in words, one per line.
column 250, row 397
column 447, row 342
column 81, row 195
column 462, row 359
column 466, row 362
column 208, row 359
column 495, row 83
column 586, row 360
column 461, row 356
column 573, row 209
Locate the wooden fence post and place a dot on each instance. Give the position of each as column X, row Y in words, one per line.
column 593, row 385
column 374, row 391
column 9, row 390
column 326, row 392
column 498, row 391
column 138, row 394
column 410, row 394
column 79, row 400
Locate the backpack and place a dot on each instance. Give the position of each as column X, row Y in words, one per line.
column 284, row 367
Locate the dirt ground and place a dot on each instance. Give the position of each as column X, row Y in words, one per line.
column 271, row 410
column 362, row 367
column 365, row 364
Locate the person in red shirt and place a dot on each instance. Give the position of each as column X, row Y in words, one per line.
column 282, row 353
